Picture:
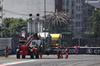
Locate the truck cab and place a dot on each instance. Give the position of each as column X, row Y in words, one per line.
column 22, row 42
column 29, row 47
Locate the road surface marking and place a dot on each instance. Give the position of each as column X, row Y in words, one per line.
column 12, row 63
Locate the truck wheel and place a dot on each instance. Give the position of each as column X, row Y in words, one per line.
column 17, row 55
column 37, row 55
column 23, row 56
column 32, row 55
column 47, row 53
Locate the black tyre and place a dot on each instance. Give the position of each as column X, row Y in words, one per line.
column 32, row 55
column 37, row 55
column 23, row 56
column 17, row 55
column 47, row 53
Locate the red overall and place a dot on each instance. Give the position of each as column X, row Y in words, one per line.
column 6, row 52
column 40, row 55
column 76, row 50
column 59, row 53
column 66, row 53
column 40, row 51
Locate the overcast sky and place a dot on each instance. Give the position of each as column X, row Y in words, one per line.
column 12, row 7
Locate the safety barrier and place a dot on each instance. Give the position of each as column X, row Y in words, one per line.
column 88, row 50
column 2, row 52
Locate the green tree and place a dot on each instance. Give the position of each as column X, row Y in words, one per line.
column 13, row 27
column 58, row 22
column 94, row 24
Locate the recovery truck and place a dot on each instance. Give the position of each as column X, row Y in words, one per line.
column 55, row 40
column 54, row 44
column 29, row 47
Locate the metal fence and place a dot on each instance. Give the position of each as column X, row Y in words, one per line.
column 90, row 42
column 5, row 42
column 10, row 51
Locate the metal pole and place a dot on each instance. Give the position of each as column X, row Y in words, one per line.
column 65, row 5
column 79, row 41
column 45, row 9
column 45, row 39
column 30, row 18
column 31, row 29
column 44, row 20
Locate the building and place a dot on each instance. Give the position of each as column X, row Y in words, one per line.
column 22, row 8
column 90, row 6
column 92, row 0
column 1, row 11
column 76, row 11
column 93, row 4
column 76, row 8
column 79, row 13
column 35, row 26
column 58, row 5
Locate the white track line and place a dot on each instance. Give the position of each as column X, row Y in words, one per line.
column 12, row 63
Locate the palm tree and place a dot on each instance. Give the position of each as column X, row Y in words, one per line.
column 57, row 20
